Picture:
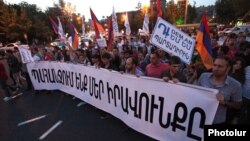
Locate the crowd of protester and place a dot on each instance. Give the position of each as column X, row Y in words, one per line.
column 136, row 56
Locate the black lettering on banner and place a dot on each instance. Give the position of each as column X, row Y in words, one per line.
column 134, row 108
column 78, row 77
column 110, row 92
column 35, row 75
column 59, row 75
column 63, row 77
column 191, row 121
column 81, row 82
column 178, row 119
column 116, row 91
column 41, row 76
column 94, row 88
column 69, row 79
column 167, row 124
column 90, row 86
column 85, row 83
column 45, row 74
column 101, row 89
column 52, row 78
column 153, row 107
column 143, row 96
column 124, row 101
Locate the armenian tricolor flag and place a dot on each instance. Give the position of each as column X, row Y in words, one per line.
column 54, row 25
column 203, row 43
column 97, row 25
column 74, row 36
column 110, row 34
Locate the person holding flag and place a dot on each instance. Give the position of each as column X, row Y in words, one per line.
column 145, row 27
column 127, row 25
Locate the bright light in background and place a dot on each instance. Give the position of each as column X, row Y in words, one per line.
column 123, row 17
column 101, row 7
column 144, row 8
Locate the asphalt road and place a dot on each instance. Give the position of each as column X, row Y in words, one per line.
column 81, row 123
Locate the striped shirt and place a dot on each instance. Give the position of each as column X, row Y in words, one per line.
column 230, row 89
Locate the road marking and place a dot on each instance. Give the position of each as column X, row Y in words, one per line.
column 14, row 96
column 31, row 120
column 50, row 130
column 81, row 103
column 74, row 97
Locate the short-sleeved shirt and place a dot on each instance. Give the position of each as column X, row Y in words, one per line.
column 230, row 89
column 156, row 70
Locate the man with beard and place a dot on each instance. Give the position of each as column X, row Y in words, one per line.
column 230, row 94
column 131, row 67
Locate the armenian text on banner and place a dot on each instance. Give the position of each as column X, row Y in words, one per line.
column 172, row 40
column 161, row 110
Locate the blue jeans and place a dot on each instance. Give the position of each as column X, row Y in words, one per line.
column 5, row 87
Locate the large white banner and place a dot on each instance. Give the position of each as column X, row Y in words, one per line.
column 172, row 40
column 161, row 110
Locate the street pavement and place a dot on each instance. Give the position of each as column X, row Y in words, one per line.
column 70, row 120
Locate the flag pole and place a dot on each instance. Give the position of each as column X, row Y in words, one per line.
column 186, row 10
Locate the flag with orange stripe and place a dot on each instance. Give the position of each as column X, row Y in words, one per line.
column 97, row 25
column 203, row 43
column 74, row 36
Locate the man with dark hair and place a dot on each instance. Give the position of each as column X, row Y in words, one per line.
column 96, row 61
column 131, row 67
column 230, row 93
column 156, row 67
column 106, row 59
column 174, row 73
